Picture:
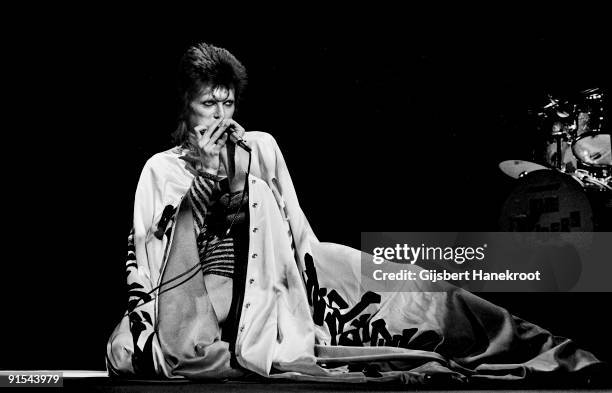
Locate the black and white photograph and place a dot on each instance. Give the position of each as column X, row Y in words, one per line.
column 383, row 200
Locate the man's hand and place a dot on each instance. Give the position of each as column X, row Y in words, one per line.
column 206, row 144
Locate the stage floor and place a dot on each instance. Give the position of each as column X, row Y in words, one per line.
column 98, row 381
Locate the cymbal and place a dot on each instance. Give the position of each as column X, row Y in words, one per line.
column 591, row 91
column 519, row 168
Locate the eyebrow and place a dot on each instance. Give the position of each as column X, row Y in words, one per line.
column 209, row 97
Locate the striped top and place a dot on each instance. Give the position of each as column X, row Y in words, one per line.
column 214, row 208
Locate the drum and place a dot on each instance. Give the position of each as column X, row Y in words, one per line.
column 591, row 143
column 552, row 201
column 593, row 149
column 519, row 168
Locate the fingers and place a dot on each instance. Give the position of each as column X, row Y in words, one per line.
column 221, row 142
column 200, row 129
column 206, row 132
column 238, row 129
column 211, row 137
column 203, row 134
column 206, row 143
column 219, row 136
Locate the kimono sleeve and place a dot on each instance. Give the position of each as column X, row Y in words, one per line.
column 130, row 347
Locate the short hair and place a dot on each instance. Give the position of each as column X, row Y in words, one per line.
column 205, row 64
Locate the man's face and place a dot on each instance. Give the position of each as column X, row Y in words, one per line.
column 210, row 105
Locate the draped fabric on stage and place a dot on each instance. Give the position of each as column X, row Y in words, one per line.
column 306, row 312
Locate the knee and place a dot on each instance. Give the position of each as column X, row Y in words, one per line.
column 119, row 351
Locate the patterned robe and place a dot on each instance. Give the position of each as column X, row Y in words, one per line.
column 307, row 313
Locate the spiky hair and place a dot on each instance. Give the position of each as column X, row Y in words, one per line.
column 207, row 65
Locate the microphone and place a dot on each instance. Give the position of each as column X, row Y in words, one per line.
column 232, row 135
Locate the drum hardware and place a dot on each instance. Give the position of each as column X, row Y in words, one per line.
column 559, row 158
column 587, row 180
column 572, row 191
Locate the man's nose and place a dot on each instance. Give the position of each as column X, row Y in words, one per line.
column 219, row 111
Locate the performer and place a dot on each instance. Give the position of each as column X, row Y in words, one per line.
column 226, row 277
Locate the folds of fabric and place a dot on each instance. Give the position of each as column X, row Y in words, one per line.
column 188, row 329
column 308, row 313
column 463, row 332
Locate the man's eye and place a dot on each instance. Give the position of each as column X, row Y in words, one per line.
column 208, row 103
column 229, row 103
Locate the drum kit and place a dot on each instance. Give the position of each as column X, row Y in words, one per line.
column 571, row 190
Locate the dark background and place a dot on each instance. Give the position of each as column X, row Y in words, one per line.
column 388, row 122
